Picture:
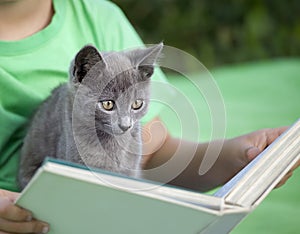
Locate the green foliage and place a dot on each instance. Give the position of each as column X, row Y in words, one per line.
column 219, row 32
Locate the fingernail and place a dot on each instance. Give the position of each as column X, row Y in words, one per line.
column 252, row 153
column 45, row 230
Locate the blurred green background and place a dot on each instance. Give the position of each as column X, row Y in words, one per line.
column 252, row 49
column 219, row 32
column 256, row 95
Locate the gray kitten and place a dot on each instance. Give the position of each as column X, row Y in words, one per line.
column 94, row 119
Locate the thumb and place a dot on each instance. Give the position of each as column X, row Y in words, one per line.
column 12, row 196
column 252, row 152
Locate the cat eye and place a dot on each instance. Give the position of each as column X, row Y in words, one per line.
column 108, row 105
column 137, row 104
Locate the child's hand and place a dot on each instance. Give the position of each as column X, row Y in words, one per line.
column 254, row 143
column 14, row 219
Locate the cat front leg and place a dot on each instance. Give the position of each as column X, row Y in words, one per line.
column 26, row 172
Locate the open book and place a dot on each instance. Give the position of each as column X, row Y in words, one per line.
column 75, row 199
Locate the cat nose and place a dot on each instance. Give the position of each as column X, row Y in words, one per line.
column 124, row 127
column 125, row 123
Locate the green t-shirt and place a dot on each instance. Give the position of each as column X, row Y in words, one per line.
column 32, row 67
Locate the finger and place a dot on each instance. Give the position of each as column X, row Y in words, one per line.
column 33, row 226
column 4, row 232
column 12, row 196
column 274, row 133
column 284, row 180
column 295, row 166
column 259, row 140
column 12, row 212
column 1, row 232
column 288, row 175
column 252, row 152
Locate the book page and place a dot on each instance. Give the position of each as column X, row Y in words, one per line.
column 261, row 175
column 138, row 186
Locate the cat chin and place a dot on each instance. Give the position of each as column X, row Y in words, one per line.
column 115, row 132
column 118, row 132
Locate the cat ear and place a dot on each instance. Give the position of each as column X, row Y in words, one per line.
column 144, row 59
column 84, row 60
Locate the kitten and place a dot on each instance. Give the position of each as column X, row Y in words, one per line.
column 94, row 119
